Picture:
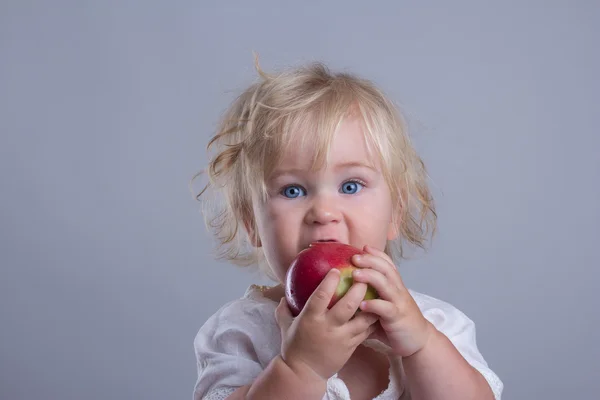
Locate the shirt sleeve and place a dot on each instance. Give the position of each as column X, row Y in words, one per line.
column 226, row 354
column 461, row 331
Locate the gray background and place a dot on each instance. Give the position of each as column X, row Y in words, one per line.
column 105, row 109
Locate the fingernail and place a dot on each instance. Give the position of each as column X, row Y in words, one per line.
column 357, row 257
column 356, row 272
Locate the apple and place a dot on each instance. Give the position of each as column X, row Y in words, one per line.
column 311, row 265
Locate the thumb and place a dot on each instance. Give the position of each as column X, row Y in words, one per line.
column 283, row 315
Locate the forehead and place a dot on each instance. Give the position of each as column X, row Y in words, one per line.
column 345, row 145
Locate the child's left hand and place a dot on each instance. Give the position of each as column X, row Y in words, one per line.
column 404, row 328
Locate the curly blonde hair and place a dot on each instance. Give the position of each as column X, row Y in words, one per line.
column 258, row 128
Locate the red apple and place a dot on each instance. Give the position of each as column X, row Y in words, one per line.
column 310, row 267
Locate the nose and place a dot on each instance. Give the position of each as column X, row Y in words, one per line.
column 323, row 210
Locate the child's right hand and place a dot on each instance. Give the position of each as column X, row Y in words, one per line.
column 320, row 340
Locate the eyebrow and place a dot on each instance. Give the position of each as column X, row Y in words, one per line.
column 353, row 164
column 337, row 167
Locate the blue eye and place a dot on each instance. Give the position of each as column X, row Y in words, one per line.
column 293, row 191
column 351, row 187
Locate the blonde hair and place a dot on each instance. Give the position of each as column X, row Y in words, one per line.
column 266, row 118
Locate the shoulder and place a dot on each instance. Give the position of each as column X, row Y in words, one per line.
column 251, row 305
column 247, row 318
column 235, row 344
column 427, row 302
column 443, row 315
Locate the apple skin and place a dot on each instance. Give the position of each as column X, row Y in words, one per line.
column 311, row 265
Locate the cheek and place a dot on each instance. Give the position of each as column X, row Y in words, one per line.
column 371, row 217
column 279, row 211
column 270, row 212
column 280, row 230
column 280, row 222
column 375, row 205
column 384, row 201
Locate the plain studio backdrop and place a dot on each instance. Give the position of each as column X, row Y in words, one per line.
column 105, row 111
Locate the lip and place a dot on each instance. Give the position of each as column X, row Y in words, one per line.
column 317, row 241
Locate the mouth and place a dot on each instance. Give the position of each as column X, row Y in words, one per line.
column 318, row 241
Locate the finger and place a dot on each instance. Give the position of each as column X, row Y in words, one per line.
column 366, row 334
column 361, row 322
column 382, row 308
column 347, row 306
column 283, row 316
column 319, row 300
column 379, row 253
column 385, row 289
column 372, row 261
column 377, row 263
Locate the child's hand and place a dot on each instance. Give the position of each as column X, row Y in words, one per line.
column 320, row 341
column 403, row 326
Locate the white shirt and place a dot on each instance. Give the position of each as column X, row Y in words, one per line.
column 237, row 343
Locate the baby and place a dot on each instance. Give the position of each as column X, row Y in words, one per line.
column 309, row 155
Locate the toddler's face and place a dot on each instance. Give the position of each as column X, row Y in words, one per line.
column 346, row 201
